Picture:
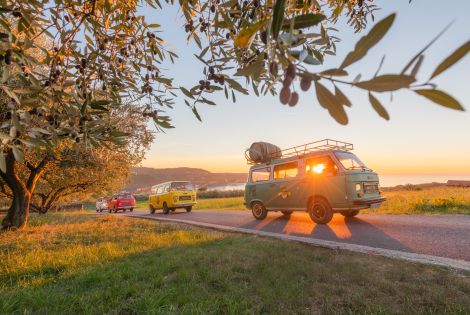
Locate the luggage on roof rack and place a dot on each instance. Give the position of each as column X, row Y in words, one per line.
column 263, row 152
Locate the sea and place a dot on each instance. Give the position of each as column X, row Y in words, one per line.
column 385, row 181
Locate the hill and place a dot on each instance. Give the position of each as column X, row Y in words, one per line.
column 143, row 178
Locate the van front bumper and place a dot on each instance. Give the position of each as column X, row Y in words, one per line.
column 368, row 202
column 184, row 204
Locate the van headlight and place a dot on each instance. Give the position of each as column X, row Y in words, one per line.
column 175, row 199
column 358, row 186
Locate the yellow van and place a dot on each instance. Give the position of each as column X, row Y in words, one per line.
column 172, row 195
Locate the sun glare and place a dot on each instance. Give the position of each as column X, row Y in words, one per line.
column 319, row 168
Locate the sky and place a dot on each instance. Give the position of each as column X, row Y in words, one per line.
column 421, row 138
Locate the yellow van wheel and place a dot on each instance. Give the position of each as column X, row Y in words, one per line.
column 166, row 210
column 152, row 209
column 259, row 210
column 320, row 211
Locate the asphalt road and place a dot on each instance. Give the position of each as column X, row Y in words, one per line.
column 438, row 235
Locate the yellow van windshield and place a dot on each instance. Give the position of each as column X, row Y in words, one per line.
column 181, row 186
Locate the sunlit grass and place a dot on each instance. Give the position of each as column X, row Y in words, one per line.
column 72, row 263
column 433, row 200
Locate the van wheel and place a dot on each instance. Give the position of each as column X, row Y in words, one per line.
column 166, row 210
column 350, row 213
column 152, row 209
column 287, row 213
column 259, row 210
column 131, row 210
column 320, row 211
column 188, row 209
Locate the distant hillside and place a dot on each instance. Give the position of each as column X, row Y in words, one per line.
column 145, row 177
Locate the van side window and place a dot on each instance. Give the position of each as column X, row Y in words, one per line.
column 260, row 175
column 287, row 170
column 321, row 165
column 159, row 190
column 166, row 188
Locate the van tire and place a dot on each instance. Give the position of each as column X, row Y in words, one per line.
column 131, row 210
column 188, row 209
column 320, row 211
column 258, row 210
column 152, row 209
column 350, row 213
column 166, row 210
column 287, row 213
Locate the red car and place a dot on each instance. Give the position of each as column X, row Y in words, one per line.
column 122, row 202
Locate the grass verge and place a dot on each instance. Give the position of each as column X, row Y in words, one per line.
column 81, row 263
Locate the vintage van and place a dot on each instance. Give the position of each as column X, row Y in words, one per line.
column 321, row 177
column 172, row 195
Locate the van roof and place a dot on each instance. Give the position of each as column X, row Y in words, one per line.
column 300, row 151
column 297, row 157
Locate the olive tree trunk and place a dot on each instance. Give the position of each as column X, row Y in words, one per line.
column 21, row 191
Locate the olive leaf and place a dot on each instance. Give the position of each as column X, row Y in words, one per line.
column 334, row 72
column 418, row 64
column 368, row 41
column 18, row 154
column 247, row 34
column 386, row 83
column 378, row 107
column 341, row 97
column 196, row 114
column 303, row 21
column 278, row 17
column 329, row 101
column 441, row 98
column 452, row 59
column 186, row 92
column 3, row 164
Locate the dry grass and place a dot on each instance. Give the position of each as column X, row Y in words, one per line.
column 81, row 263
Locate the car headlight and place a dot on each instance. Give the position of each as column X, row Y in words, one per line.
column 175, row 199
column 358, row 186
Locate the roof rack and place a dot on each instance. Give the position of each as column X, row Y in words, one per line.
column 304, row 149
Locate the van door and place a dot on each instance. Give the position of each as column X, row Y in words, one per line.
column 257, row 187
column 324, row 179
column 284, row 188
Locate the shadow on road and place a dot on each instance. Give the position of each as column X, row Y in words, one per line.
column 340, row 229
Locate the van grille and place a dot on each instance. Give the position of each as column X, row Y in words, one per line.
column 185, row 197
column 371, row 188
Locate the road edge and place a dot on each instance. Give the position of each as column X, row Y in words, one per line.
column 419, row 258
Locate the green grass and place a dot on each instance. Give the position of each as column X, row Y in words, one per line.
column 68, row 263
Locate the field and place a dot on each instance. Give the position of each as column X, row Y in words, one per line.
column 82, row 263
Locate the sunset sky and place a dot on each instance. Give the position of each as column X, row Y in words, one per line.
column 421, row 137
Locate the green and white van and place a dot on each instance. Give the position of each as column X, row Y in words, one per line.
column 321, row 177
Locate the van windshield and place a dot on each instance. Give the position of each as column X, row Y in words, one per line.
column 181, row 186
column 350, row 161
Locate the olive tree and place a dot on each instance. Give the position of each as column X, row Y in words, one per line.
column 102, row 53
